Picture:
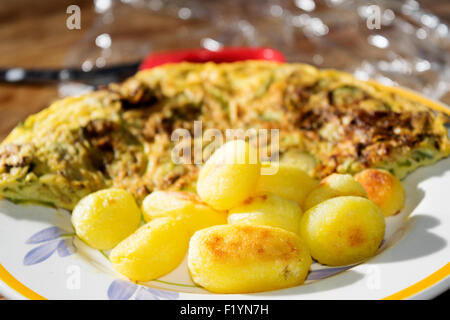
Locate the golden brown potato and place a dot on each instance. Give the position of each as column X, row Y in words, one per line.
column 268, row 210
column 106, row 217
column 152, row 251
column 288, row 182
column 184, row 206
column 384, row 189
column 335, row 185
column 229, row 176
column 343, row 230
column 244, row 258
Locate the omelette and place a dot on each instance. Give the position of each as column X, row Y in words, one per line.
column 120, row 136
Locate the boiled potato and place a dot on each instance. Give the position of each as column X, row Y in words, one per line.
column 106, row 217
column 268, row 210
column 152, row 251
column 300, row 159
column 181, row 205
column 243, row 258
column 288, row 182
column 384, row 189
column 229, row 176
column 343, row 230
column 335, row 185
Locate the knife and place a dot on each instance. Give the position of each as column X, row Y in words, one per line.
column 95, row 77
column 116, row 73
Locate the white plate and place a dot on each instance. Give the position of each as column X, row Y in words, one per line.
column 41, row 258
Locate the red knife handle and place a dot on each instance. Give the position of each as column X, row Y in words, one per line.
column 204, row 55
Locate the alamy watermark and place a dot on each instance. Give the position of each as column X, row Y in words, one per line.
column 73, row 21
column 373, row 20
column 73, row 281
column 196, row 148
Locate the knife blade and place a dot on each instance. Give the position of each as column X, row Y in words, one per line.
column 95, row 77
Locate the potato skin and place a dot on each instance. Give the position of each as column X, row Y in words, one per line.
column 343, row 230
column 154, row 250
column 335, row 185
column 245, row 258
column 384, row 189
column 289, row 182
column 106, row 217
column 229, row 176
column 185, row 206
column 268, row 210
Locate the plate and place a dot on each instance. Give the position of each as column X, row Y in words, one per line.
column 41, row 258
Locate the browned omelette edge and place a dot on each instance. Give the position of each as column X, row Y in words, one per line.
column 412, row 95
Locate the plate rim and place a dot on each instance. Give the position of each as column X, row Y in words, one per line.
column 429, row 287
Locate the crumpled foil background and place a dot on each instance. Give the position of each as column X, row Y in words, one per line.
column 393, row 42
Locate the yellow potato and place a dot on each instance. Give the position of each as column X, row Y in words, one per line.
column 268, row 210
column 384, row 189
column 288, row 182
column 343, row 230
column 106, row 217
column 300, row 159
column 335, row 185
column 243, row 258
column 181, row 205
column 152, row 251
column 229, row 176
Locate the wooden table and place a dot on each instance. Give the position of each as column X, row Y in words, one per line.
column 34, row 34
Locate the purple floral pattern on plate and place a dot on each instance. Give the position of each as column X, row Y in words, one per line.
column 325, row 273
column 124, row 290
column 50, row 240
